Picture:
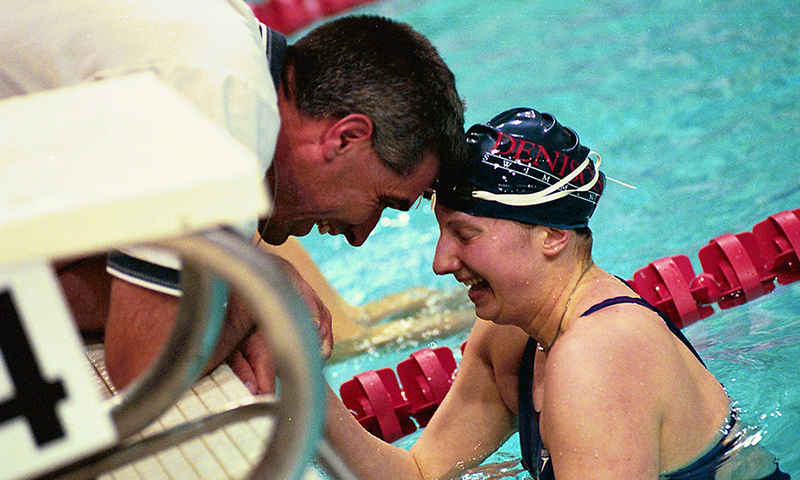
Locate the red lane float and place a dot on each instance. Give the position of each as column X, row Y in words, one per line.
column 736, row 268
column 669, row 284
column 426, row 377
column 380, row 406
column 375, row 399
column 289, row 16
column 736, row 264
column 779, row 239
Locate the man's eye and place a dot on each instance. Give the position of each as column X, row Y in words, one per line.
column 465, row 235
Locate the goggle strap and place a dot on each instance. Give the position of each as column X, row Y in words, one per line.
column 550, row 193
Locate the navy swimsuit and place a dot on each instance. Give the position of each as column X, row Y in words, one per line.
column 535, row 458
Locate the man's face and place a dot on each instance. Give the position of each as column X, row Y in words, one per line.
column 344, row 197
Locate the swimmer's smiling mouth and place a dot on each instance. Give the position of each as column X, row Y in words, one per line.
column 474, row 283
column 478, row 289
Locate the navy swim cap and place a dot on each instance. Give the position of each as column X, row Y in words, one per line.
column 524, row 166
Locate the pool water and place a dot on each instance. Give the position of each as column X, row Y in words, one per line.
column 695, row 103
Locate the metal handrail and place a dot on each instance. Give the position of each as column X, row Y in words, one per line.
column 290, row 334
column 282, row 315
column 130, row 450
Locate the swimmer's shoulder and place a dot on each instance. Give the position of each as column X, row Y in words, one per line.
column 498, row 347
column 495, row 343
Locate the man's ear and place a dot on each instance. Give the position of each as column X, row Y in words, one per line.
column 554, row 240
column 349, row 131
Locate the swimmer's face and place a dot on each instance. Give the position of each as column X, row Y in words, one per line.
column 493, row 257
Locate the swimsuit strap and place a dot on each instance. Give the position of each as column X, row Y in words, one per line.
column 616, row 301
column 528, row 421
column 640, row 301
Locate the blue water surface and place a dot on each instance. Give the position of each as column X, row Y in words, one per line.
column 695, row 103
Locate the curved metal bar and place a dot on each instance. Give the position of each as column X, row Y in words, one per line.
column 183, row 357
column 292, row 339
column 281, row 313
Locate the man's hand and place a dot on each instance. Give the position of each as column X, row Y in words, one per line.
column 320, row 313
column 253, row 361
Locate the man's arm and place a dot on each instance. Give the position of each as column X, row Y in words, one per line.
column 140, row 320
column 86, row 287
column 252, row 361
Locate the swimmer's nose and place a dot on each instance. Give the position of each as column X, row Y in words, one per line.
column 444, row 261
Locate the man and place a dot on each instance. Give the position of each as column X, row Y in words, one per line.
column 359, row 117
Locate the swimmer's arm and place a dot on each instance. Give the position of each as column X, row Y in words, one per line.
column 469, row 425
column 600, row 410
column 475, row 417
column 368, row 456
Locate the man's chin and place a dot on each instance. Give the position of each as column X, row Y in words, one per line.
column 272, row 236
column 277, row 236
column 302, row 229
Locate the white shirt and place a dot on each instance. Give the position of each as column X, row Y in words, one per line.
column 210, row 51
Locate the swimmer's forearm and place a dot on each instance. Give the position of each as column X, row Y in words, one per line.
column 367, row 456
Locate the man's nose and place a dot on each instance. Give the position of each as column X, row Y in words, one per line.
column 357, row 234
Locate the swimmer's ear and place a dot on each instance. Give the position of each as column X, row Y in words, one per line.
column 554, row 240
column 354, row 130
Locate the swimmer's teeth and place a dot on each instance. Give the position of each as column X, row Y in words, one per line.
column 323, row 227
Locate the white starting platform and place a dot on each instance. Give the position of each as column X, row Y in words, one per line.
column 102, row 165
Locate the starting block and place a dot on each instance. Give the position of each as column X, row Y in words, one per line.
column 88, row 168
column 83, row 169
